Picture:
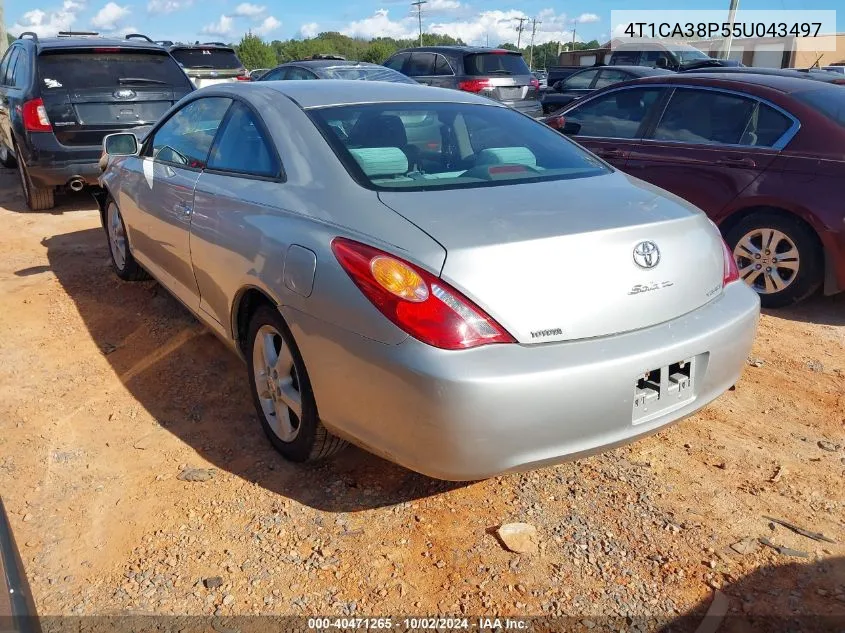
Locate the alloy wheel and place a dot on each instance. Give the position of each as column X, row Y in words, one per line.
column 277, row 383
column 767, row 259
column 117, row 236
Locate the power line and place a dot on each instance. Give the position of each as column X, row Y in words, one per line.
column 418, row 4
column 519, row 29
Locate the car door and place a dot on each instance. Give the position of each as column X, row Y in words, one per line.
column 231, row 196
column 579, row 84
column 421, row 67
column 158, row 213
column 611, row 124
column 709, row 145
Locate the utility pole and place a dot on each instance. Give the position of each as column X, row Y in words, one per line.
column 574, row 25
column 534, row 24
column 519, row 30
column 419, row 5
column 731, row 17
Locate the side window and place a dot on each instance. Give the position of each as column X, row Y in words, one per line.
column 242, row 146
column 580, row 80
column 5, row 64
column 422, row 64
column 441, row 66
column 608, row 76
column 298, row 73
column 617, row 114
column 186, row 137
column 10, row 69
column 397, row 61
column 20, row 75
column 625, row 58
column 273, row 75
column 706, row 117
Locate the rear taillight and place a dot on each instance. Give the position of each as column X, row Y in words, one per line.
column 243, row 78
column 419, row 303
column 35, row 116
column 839, row 82
column 731, row 272
column 555, row 122
column 535, row 83
column 474, row 85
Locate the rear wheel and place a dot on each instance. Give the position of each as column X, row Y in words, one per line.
column 282, row 392
column 778, row 256
column 122, row 262
column 37, row 198
column 6, row 159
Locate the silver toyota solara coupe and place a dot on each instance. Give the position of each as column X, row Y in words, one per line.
column 427, row 273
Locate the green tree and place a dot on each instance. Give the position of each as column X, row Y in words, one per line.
column 255, row 53
column 378, row 52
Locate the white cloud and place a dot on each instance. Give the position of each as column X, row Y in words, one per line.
column 108, row 17
column 268, row 25
column 167, row 6
column 310, row 29
column 248, row 10
column 222, row 27
column 587, row 18
column 380, row 25
column 46, row 23
column 501, row 26
column 441, row 5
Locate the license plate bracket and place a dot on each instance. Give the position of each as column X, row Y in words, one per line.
column 659, row 391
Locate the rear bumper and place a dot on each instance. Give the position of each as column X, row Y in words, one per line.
column 532, row 108
column 478, row 413
column 51, row 164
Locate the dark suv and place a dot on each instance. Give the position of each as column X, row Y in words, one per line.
column 60, row 96
column 497, row 73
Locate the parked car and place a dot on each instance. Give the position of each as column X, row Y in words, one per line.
column 255, row 74
column 496, row 73
column 835, row 69
column 210, row 63
column 815, row 75
column 557, row 73
column 542, row 78
column 399, row 266
column 760, row 154
column 322, row 68
column 61, row 95
column 588, row 80
column 677, row 56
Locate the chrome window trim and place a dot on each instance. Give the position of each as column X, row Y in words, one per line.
column 778, row 145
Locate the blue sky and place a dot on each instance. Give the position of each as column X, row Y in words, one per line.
column 474, row 21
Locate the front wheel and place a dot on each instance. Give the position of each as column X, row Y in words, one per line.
column 122, row 261
column 778, row 256
column 282, row 392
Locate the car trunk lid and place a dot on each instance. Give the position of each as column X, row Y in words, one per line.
column 501, row 75
column 556, row 260
column 209, row 65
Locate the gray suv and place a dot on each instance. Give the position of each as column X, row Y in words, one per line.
column 496, row 73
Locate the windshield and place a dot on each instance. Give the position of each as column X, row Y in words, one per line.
column 686, row 55
column 220, row 58
column 97, row 69
column 829, row 100
column 421, row 146
column 365, row 73
column 495, row 64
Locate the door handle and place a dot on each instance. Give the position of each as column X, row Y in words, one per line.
column 183, row 207
column 611, row 153
column 747, row 163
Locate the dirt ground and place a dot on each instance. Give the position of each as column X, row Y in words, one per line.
column 109, row 389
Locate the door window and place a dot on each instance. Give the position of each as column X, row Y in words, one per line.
column 186, row 137
column 718, row 118
column 242, row 146
column 273, row 75
column 618, row 114
column 298, row 73
column 580, row 80
column 397, row 61
column 422, row 64
column 608, row 77
column 441, row 66
column 10, row 69
column 20, row 74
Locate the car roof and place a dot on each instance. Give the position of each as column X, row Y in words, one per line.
column 643, row 71
column 312, row 94
column 218, row 45
column 324, row 63
column 737, row 80
column 456, row 49
column 56, row 43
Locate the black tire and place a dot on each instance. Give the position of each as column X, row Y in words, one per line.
column 6, row 158
column 312, row 440
column 801, row 284
column 37, row 198
column 130, row 270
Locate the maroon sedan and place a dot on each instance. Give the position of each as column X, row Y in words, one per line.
column 763, row 156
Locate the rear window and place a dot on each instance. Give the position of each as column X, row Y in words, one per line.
column 207, row 58
column 96, row 69
column 424, row 146
column 830, row 101
column 495, row 64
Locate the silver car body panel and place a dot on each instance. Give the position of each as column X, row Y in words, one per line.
column 450, row 414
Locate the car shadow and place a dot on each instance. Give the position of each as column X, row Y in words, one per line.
column 786, row 597
column 817, row 309
column 197, row 389
column 11, row 197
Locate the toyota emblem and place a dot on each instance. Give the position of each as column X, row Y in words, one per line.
column 646, row 255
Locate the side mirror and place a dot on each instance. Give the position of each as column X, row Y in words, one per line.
column 120, row 144
column 558, row 86
column 558, row 122
column 661, row 63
